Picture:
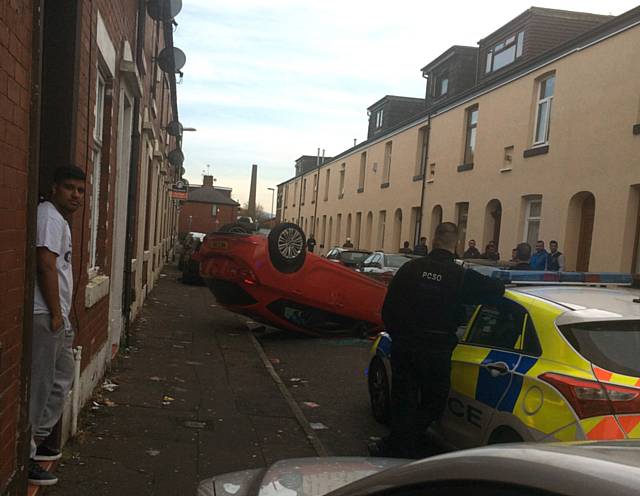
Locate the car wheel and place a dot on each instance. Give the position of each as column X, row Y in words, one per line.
column 379, row 391
column 287, row 245
column 503, row 435
column 234, row 228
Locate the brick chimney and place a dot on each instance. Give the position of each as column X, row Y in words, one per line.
column 207, row 181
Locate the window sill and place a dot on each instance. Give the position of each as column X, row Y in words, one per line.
column 340, row 196
column 384, row 185
column 465, row 167
column 536, row 150
column 636, row 129
column 429, row 181
column 506, row 169
column 96, row 289
column 146, row 255
column 360, row 190
column 419, row 177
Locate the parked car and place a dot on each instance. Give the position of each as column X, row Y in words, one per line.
column 347, row 256
column 274, row 280
column 548, row 362
column 552, row 469
column 383, row 266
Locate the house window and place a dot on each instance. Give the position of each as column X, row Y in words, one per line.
column 543, row 110
column 472, row 125
column 505, row 52
column 423, row 143
column 286, row 195
column 386, row 171
column 533, row 217
column 214, row 210
column 326, row 186
column 379, row 118
column 341, row 187
column 363, row 170
column 98, row 128
column 295, row 194
column 441, row 85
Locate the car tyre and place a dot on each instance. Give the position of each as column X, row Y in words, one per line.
column 234, row 228
column 287, row 247
column 504, row 435
column 379, row 391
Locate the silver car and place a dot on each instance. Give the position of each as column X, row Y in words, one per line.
column 568, row 469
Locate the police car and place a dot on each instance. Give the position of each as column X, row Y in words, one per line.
column 558, row 358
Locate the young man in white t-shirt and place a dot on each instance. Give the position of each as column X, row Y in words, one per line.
column 52, row 363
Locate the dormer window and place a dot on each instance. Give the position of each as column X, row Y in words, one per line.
column 379, row 117
column 505, row 52
column 440, row 85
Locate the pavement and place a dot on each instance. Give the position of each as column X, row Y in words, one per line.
column 193, row 396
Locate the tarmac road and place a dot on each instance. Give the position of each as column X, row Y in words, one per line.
column 330, row 373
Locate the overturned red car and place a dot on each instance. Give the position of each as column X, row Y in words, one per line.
column 273, row 280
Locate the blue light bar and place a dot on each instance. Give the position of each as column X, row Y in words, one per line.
column 546, row 277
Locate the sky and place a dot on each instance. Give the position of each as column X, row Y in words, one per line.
column 267, row 81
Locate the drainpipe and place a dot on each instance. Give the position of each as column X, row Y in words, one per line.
column 75, row 392
column 424, row 181
column 133, row 186
column 24, row 427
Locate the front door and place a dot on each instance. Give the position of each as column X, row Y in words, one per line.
column 116, row 317
column 587, row 215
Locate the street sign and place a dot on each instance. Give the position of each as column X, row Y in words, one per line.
column 179, row 195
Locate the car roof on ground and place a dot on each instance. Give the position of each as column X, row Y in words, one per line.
column 589, row 303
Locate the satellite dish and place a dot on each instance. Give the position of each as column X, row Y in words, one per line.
column 174, row 128
column 164, row 10
column 171, row 59
column 176, row 157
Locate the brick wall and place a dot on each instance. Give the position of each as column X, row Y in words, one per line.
column 201, row 218
column 15, row 70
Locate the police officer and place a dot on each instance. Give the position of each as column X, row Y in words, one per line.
column 421, row 312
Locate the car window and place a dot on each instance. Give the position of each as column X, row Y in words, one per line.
column 611, row 345
column 368, row 260
column 353, row 256
column 376, row 259
column 395, row 261
column 530, row 343
column 498, row 326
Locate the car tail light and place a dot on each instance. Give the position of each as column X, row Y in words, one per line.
column 592, row 398
column 248, row 277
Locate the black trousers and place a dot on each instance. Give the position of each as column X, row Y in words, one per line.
column 421, row 379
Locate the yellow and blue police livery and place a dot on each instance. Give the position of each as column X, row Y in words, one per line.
column 555, row 359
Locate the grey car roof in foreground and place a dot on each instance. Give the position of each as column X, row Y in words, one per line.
column 569, row 469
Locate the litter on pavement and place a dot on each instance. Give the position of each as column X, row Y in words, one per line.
column 311, row 404
column 318, row 426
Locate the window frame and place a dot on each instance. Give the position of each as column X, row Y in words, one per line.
column 548, row 102
column 471, row 130
column 363, row 171
column 528, row 217
column 98, row 132
column 527, row 327
column 379, row 118
column 386, row 169
column 515, row 41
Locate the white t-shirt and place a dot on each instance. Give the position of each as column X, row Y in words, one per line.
column 54, row 234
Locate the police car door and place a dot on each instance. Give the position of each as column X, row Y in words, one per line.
column 481, row 372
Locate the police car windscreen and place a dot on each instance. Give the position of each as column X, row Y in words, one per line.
column 611, row 345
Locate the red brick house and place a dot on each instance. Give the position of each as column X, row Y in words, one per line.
column 80, row 84
column 207, row 209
